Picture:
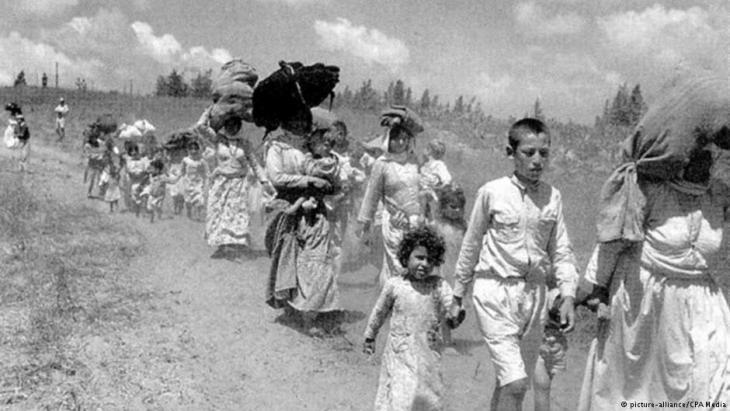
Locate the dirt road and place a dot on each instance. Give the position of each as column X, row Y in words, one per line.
column 204, row 339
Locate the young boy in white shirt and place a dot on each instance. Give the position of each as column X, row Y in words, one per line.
column 516, row 237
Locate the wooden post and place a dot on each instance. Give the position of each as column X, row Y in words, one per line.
column 56, row 74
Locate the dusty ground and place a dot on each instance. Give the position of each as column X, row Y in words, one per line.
column 203, row 338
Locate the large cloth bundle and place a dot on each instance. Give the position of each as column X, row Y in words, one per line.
column 286, row 96
column 233, row 93
column 180, row 140
column 402, row 116
column 234, row 71
column 693, row 109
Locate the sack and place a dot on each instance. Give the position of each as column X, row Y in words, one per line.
column 129, row 132
column 105, row 124
column 180, row 140
column 234, row 71
column 402, row 116
column 9, row 137
column 285, row 97
column 144, row 126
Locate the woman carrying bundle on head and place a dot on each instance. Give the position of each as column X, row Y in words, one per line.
column 227, row 218
column 394, row 181
column 665, row 331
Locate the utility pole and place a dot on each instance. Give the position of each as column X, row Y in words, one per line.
column 131, row 87
column 56, row 74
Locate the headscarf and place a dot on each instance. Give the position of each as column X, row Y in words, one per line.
column 696, row 105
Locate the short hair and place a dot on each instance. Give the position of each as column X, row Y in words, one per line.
column 193, row 145
column 341, row 126
column 523, row 127
column 425, row 237
column 438, row 149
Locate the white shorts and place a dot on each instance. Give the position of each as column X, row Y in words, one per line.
column 511, row 313
column 60, row 122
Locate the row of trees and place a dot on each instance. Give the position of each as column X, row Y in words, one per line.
column 174, row 85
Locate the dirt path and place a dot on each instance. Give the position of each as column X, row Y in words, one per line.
column 205, row 339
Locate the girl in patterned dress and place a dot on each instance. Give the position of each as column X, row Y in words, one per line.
column 417, row 302
column 195, row 177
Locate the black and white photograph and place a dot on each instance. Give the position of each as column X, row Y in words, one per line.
column 352, row 205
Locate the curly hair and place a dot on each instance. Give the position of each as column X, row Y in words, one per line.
column 425, row 237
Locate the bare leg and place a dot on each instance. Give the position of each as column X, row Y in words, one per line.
column 541, row 383
column 510, row 396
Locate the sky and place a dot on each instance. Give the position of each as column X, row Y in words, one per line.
column 570, row 54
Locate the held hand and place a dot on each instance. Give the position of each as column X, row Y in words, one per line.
column 268, row 188
column 319, row 183
column 567, row 314
column 368, row 347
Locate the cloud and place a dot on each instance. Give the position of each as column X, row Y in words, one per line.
column 45, row 8
column 370, row 45
column 535, row 21
column 167, row 50
column 34, row 57
column 294, row 2
column 108, row 58
column 694, row 37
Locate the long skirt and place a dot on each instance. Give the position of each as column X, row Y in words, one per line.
column 316, row 280
column 301, row 273
column 668, row 339
column 227, row 218
column 392, row 236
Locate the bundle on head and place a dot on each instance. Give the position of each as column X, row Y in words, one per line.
column 105, row 124
column 233, row 93
column 180, row 140
column 285, row 97
column 402, row 116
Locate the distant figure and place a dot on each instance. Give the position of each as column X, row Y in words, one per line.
column 44, row 80
column 21, row 134
column 61, row 112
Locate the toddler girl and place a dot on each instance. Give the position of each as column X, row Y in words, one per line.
column 156, row 187
column 195, row 180
column 410, row 374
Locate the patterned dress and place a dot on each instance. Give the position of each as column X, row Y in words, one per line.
column 136, row 174
column 227, row 218
column 410, row 371
column 302, row 274
column 195, row 174
column 393, row 181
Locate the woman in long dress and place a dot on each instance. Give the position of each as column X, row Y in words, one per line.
column 227, row 217
column 302, row 277
column 394, row 181
column 657, row 267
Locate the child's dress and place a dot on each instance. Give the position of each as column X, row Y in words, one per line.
column 136, row 171
column 196, row 172
column 112, row 193
column 177, row 189
column 410, row 371
column 155, row 191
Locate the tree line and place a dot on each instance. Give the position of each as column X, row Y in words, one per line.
column 174, row 85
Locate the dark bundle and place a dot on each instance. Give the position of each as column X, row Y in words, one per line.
column 180, row 140
column 286, row 96
column 104, row 124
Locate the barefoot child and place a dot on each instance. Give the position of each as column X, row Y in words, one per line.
column 410, row 373
column 136, row 168
column 516, row 236
column 434, row 176
column 195, row 176
column 156, row 188
column 451, row 226
column 110, row 177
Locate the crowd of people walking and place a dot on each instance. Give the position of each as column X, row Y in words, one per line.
column 664, row 324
